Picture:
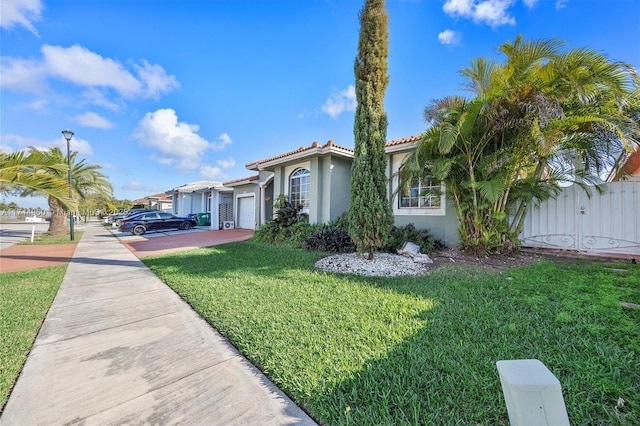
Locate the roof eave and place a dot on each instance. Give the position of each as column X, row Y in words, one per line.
column 311, row 152
column 407, row 146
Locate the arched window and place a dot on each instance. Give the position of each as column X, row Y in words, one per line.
column 299, row 188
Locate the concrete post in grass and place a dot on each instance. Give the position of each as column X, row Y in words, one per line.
column 532, row 393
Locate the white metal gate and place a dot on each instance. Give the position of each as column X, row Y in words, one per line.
column 607, row 223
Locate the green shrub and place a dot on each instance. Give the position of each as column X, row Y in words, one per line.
column 266, row 233
column 330, row 239
column 294, row 235
column 401, row 234
column 289, row 227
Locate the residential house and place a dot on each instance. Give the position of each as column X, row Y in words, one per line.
column 244, row 207
column 160, row 202
column 318, row 178
column 200, row 197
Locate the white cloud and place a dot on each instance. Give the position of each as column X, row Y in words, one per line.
column 88, row 69
column 18, row 140
column 174, row 141
column 95, row 96
column 212, row 173
column 20, row 13
column 134, row 186
column 91, row 119
column 491, row 12
column 561, row 4
column 449, row 37
column 38, row 105
column 224, row 139
column 303, row 114
column 155, row 80
column 494, row 13
column 81, row 146
column 12, row 142
column 227, row 163
column 458, row 7
column 530, row 3
column 340, row 101
column 166, row 161
column 24, row 75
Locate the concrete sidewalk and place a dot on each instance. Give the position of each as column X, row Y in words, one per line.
column 119, row 347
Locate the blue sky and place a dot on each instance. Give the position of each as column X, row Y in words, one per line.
column 162, row 93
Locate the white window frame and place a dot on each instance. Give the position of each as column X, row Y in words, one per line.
column 289, row 171
column 422, row 195
column 415, row 211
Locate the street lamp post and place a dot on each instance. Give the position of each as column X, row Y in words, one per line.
column 68, row 134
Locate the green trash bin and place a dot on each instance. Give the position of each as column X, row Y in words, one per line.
column 204, row 219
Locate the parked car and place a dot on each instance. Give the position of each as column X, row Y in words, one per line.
column 117, row 218
column 154, row 221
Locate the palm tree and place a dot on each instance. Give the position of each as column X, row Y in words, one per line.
column 85, row 179
column 35, row 172
column 541, row 113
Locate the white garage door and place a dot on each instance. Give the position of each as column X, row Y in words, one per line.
column 247, row 213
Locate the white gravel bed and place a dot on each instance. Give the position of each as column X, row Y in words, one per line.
column 383, row 264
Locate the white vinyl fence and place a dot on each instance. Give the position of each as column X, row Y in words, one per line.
column 607, row 223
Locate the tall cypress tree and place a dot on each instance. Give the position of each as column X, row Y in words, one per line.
column 370, row 216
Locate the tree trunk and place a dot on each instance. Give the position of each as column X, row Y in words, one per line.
column 58, row 223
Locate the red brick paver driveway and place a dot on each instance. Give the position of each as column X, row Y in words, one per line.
column 25, row 257
column 147, row 246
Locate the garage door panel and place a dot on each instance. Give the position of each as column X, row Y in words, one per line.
column 246, row 213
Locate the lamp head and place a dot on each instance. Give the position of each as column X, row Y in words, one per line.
column 68, row 134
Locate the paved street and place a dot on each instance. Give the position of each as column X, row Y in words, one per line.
column 13, row 232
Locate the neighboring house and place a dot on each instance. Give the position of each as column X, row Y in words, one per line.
column 160, row 202
column 248, row 193
column 319, row 179
column 200, row 197
column 630, row 168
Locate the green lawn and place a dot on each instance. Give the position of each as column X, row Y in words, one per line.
column 45, row 238
column 25, row 298
column 419, row 350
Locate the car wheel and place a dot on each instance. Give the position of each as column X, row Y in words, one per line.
column 138, row 230
column 186, row 225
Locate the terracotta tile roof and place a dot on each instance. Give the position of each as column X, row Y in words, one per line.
column 239, row 180
column 314, row 148
column 158, row 197
column 331, row 145
column 408, row 139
